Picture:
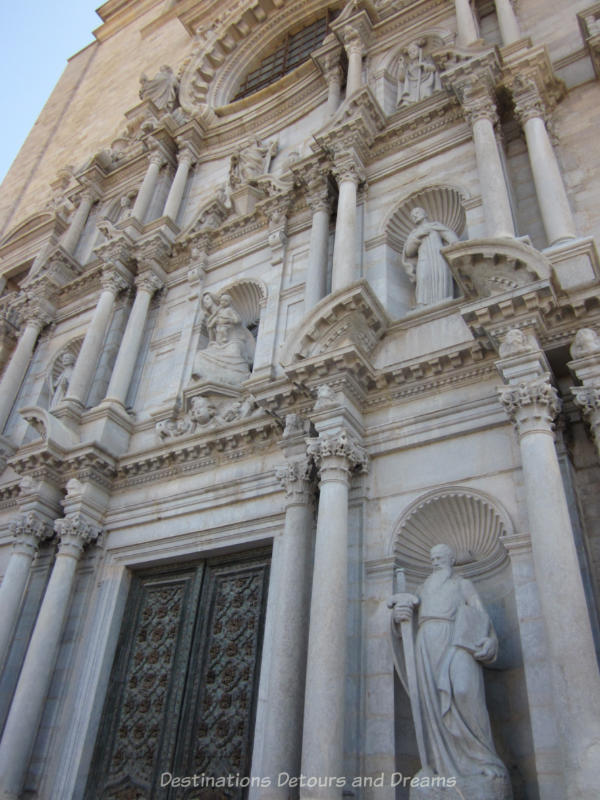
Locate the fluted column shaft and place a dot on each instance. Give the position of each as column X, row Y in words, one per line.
column 494, row 192
column 532, row 407
column 345, row 265
column 175, row 197
column 36, row 674
column 334, row 90
column 72, row 235
column 28, row 531
column 17, row 367
column 83, row 372
column 354, row 49
column 120, row 379
column 283, row 729
column 323, row 732
column 507, row 20
column 146, row 192
column 465, row 22
column 549, row 186
column 316, row 275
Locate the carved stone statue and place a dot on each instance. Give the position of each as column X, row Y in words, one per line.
column 439, row 662
column 417, row 76
column 61, row 383
column 424, row 262
column 251, row 161
column 228, row 356
column 161, row 89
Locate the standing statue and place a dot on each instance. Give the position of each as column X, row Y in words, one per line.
column 424, row 262
column 417, row 76
column 61, row 384
column 440, row 667
column 228, row 355
column 161, row 89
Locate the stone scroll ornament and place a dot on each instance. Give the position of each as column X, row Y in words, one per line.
column 228, row 356
column 438, row 658
column 424, row 262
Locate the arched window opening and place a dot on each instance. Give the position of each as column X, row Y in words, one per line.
column 293, row 51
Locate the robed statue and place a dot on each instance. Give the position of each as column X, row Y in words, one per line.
column 417, row 76
column 424, row 262
column 228, row 356
column 441, row 636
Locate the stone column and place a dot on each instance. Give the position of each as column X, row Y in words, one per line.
column 318, row 199
column 507, row 20
column 173, row 204
column 531, row 403
column 113, row 282
column 28, row 531
column 549, row 187
column 36, row 674
column 146, row 284
column 323, row 732
column 333, row 76
column 585, row 353
column 283, row 727
column 142, row 201
column 349, row 173
column 36, row 318
column 481, row 113
column 354, row 49
column 466, row 24
column 72, row 235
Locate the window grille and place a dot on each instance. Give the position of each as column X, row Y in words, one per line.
column 293, row 51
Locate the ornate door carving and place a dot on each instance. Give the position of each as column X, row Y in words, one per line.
column 182, row 693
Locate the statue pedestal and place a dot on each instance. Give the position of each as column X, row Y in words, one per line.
column 473, row 787
column 245, row 198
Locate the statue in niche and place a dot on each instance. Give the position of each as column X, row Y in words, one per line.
column 440, row 667
column 251, row 161
column 228, row 355
column 61, row 383
column 424, row 262
column 417, row 75
column 161, row 89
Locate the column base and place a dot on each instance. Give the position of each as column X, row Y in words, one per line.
column 575, row 261
column 113, row 426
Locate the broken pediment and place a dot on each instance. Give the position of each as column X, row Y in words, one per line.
column 484, row 267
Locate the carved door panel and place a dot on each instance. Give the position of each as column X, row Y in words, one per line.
column 182, row 693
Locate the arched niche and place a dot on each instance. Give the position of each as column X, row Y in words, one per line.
column 443, row 203
column 474, row 524
column 385, row 76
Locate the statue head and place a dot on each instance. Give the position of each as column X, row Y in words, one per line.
column 418, row 215
column 225, row 300
column 208, row 301
column 442, row 555
column 67, row 359
column 413, row 51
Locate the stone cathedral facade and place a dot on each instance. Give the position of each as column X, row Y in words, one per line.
column 293, row 291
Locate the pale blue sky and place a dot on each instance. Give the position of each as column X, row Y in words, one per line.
column 36, row 39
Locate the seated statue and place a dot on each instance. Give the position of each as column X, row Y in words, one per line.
column 228, row 355
column 424, row 262
column 417, row 76
column 252, row 160
column 161, row 89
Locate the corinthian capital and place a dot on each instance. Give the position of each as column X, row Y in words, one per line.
column 28, row 530
column 479, row 105
column 588, row 399
column 348, row 167
column 75, row 532
column 296, row 478
column 113, row 281
column 148, row 282
column 531, row 407
column 338, row 446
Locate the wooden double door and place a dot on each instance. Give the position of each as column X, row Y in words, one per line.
column 182, row 693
